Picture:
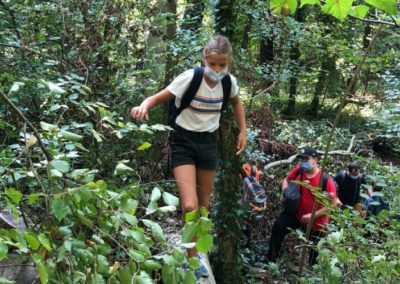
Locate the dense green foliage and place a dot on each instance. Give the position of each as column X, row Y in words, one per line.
column 88, row 182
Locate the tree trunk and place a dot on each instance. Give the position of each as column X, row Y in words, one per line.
column 228, row 218
column 170, row 35
column 193, row 15
column 294, row 58
column 247, row 27
column 225, row 18
column 319, row 87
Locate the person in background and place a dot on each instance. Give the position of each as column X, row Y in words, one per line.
column 349, row 184
column 374, row 204
column 307, row 172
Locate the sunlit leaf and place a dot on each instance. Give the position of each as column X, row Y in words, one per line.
column 155, row 194
column 359, row 11
column 70, row 136
column 170, row 199
column 14, row 195
column 204, row 243
column 48, row 127
column 338, row 8
column 144, row 146
column 60, row 165
column 15, row 87
column 388, row 6
column 308, row 2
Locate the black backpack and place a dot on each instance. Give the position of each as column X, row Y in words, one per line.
column 174, row 112
column 292, row 192
column 254, row 195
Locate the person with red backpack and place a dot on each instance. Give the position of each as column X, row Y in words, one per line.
column 197, row 98
column 297, row 212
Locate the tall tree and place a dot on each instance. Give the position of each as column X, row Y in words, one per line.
column 228, row 219
column 294, row 56
column 193, row 15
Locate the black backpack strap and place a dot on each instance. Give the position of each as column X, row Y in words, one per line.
column 325, row 178
column 299, row 172
column 252, row 171
column 191, row 91
column 227, row 89
column 243, row 173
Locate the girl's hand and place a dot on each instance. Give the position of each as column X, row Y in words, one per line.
column 241, row 142
column 306, row 218
column 140, row 112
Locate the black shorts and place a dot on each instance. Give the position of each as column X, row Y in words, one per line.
column 193, row 148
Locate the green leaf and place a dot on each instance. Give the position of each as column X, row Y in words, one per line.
column 156, row 229
column 122, row 169
column 97, row 136
column 45, row 242
column 125, row 276
column 32, row 240
column 203, row 212
column 143, row 278
column 189, row 277
column 15, row 87
column 155, row 194
column 205, row 225
column 194, row 263
column 48, row 127
column 192, row 216
column 144, row 146
column 55, row 174
column 167, row 209
column 359, row 11
column 283, row 7
column 54, row 88
column 32, row 198
column 338, row 8
column 3, row 251
column 170, row 199
column 136, row 255
column 129, row 206
column 14, row 195
column 388, row 6
column 308, row 2
column 151, row 208
column 189, row 231
column 60, row 165
column 59, row 209
column 150, row 265
column 204, row 243
column 70, row 136
column 41, row 269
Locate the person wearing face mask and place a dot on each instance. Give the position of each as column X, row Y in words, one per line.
column 349, row 186
column 193, row 143
column 308, row 172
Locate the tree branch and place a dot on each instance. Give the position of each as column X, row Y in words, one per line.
column 292, row 158
column 22, row 116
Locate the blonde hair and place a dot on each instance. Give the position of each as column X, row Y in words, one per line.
column 218, row 44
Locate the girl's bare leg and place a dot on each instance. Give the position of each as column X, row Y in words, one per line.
column 185, row 177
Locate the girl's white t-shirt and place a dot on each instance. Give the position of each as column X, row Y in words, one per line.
column 204, row 111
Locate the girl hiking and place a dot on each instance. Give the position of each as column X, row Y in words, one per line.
column 193, row 142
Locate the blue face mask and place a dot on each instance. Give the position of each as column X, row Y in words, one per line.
column 306, row 166
column 214, row 76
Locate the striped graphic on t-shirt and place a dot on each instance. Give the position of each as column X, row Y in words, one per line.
column 206, row 105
